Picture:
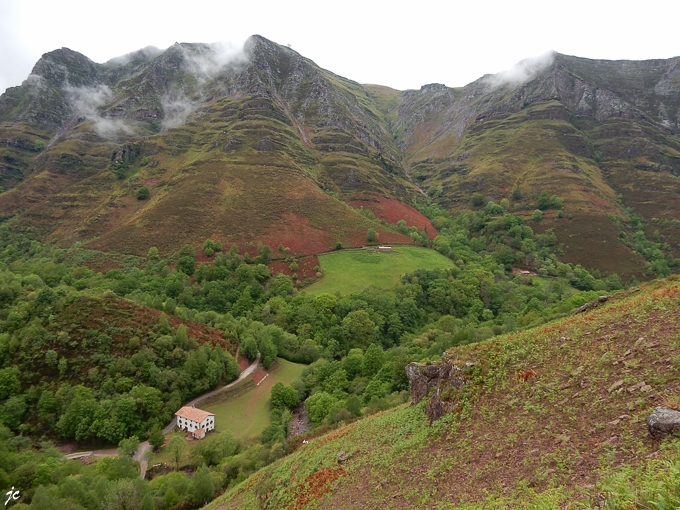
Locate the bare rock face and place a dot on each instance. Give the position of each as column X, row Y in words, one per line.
column 440, row 379
column 663, row 422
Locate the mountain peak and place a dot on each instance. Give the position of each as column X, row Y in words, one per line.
column 66, row 66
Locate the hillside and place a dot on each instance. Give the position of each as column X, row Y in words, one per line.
column 98, row 359
column 552, row 417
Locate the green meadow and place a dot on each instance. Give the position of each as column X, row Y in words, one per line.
column 248, row 414
column 353, row 271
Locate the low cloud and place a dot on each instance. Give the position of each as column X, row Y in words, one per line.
column 144, row 54
column 177, row 111
column 205, row 62
column 88, row 101
column 110, row 128
column 218, row 56
column 522, row 72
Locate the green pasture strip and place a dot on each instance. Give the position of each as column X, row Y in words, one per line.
column 248, row 414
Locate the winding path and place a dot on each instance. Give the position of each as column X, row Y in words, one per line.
column 145, row 446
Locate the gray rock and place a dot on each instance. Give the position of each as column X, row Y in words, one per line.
column 663, row 422
column 435, row 381
column 616, row 385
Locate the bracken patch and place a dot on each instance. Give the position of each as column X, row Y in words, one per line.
column 314, row 487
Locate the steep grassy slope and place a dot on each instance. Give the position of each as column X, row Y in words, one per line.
column 552, row 417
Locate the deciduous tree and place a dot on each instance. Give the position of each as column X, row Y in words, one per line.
column 176, row 448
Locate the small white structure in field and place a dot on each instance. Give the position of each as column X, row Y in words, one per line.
column 384, row 248
column 195, row 420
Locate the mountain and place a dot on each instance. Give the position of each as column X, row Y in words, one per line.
column 602, row 135
column 241, row 146
column 260, row 144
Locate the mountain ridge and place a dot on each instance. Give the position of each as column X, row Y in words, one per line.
column 604, row 134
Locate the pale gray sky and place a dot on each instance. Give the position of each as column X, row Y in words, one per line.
column 399, row 44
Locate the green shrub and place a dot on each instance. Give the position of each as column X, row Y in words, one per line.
column 143, row 193
column 477, row 199
column 209, row 248
column 187, row 265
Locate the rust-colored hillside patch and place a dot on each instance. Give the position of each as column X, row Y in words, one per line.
column 392, row 210
column 258, row 375
column 314, row 486
column 304, row 271
column 297, row 233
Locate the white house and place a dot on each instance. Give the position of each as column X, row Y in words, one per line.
column 384, row 248
column 195, row 420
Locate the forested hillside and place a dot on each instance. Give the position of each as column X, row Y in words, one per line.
column 107, row 357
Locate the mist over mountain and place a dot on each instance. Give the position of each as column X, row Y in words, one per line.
column 259, row 142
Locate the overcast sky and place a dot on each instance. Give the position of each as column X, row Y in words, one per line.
column 399, row 44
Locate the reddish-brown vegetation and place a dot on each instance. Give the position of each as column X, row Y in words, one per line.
column 305, row 268
column 314, row 486
column 201, row 332
column 526, row 375
column 243, row 363
column 392, row 210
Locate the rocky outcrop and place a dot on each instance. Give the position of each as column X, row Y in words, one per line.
column 592, row 304
column 437, row 382
column 663, row 422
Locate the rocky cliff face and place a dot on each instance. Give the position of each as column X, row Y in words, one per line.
column 438, row 383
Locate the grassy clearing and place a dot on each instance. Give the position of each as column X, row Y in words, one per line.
column 353, row 271
column 163, row 456
column 248, row 414
column 567, row 437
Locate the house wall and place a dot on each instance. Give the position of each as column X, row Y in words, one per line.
column 207, row 424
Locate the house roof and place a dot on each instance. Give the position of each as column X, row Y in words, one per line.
column 193, row 414
column 199, row 432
